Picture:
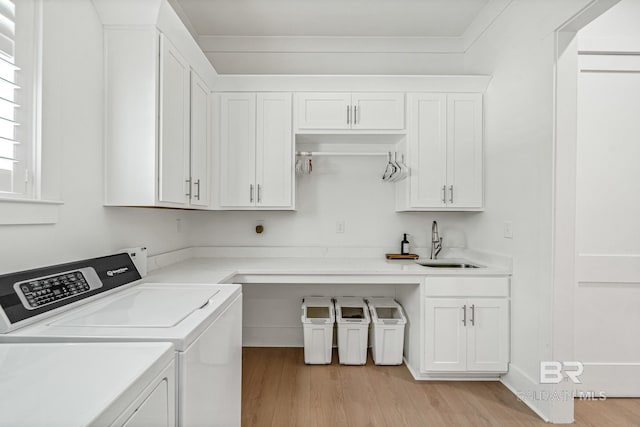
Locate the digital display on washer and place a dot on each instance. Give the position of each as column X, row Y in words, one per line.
column 42, row 291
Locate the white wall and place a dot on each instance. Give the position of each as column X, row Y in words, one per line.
column 620, row 21
column 340, row 188
column 72, row 145
column 519, row 52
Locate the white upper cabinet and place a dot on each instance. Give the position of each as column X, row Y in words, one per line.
column 274, row 151
column 157, row 108
column 321, row 111
column 237, row 149
column 464, row 151
column 174, row 126
column 444, row 153
column 200, row 188
column 427, row 149
column 377, row 111
column 256, row 151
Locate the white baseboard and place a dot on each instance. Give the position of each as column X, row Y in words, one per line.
column 463, row 376
column 522, row 385
column 614, row 379
column 276, row 336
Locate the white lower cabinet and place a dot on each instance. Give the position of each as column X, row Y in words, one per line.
column 466, row 334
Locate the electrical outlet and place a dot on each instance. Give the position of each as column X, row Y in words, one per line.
column 508, row 230
column 178, row 225
column 340, row 226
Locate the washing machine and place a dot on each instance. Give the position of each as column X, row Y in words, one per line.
column 102, row 300
column 90, row 384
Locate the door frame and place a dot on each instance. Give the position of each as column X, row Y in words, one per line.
column 564, row 196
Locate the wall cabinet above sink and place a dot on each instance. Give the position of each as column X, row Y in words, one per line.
column 445, row 153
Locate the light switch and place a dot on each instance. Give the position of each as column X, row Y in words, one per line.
column 340, row 226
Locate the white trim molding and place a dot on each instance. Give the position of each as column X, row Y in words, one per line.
column 351, row 83
column 612, row 269
column 27, row 211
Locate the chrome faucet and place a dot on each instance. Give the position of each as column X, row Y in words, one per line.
column 436, row 241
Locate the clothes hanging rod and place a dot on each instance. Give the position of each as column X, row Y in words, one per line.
column 336, row 153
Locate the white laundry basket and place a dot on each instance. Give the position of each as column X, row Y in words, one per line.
column 353, row 320
column 387, row 338
column 318, row 317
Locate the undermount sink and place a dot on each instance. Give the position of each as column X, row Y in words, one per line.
column 447, row 263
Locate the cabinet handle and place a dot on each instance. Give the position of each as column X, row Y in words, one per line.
column 259, row 193
column 250, row 193
column 197, row 184
column 473, row 315
column 188, row 194
column 464, row 315
column 348, row 114
column 451, row 193
column 444, row 194
column 355, row 114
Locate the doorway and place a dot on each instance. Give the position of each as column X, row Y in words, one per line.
column 597, row 199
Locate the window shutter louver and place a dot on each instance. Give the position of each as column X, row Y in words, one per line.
column 8, row 89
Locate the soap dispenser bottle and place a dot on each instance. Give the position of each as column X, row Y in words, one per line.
column 404, row 246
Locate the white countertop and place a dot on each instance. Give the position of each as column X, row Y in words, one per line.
column 63, row 384
column 223, row 269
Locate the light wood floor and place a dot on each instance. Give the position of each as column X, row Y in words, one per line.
column 279, row 390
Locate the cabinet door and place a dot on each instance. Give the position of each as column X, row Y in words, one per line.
column 445, row 347
column 323, row 111
column 377, row 111
column 488, row 334
column 427, row 150
column 174, row 126
column 237, row 149
column 200, row 142
column 274, row 150
column 464, row 151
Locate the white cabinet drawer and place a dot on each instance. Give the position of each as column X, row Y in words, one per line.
column 458, row 286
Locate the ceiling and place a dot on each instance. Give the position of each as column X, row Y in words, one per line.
column 391, row 18
column 336, row 36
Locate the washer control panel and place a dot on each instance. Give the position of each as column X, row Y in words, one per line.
column 29, row 296
column 42, row 291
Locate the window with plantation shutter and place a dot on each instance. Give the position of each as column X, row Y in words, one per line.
column 9, row 160
column 18, row 69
